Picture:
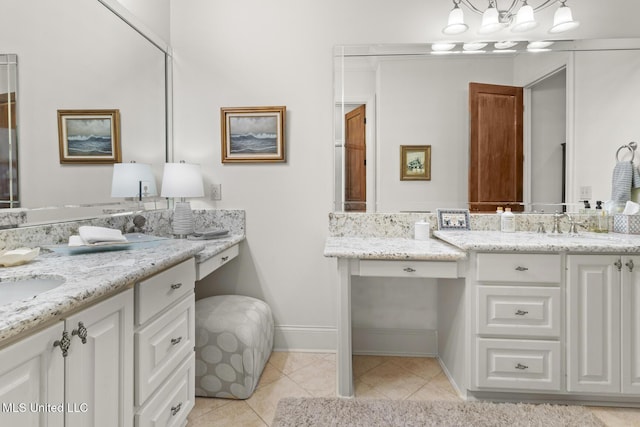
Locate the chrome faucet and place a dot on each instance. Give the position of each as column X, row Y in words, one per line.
column 573, row 225
column 556, row 222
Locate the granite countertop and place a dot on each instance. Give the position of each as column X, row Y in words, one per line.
column 535, row 242
column 391, row 248
column 91, row 276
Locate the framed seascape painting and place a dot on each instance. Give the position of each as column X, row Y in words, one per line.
column 253, row 134
column 89, row 136
column 415, row 163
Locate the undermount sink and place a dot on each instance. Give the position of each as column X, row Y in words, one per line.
column 19, row 288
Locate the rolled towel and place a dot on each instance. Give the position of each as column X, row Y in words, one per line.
column 625, row 177
column 90, row 234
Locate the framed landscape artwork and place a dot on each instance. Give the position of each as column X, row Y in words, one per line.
column 89, row 136
column 415, row 163
column 253, row 134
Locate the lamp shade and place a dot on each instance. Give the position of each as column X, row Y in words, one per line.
column 563, row 20
column 182, row 180
column 133, row 180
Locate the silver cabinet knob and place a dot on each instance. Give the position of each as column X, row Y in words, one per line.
column 520, row 268
column 409, row 269
column 521, row 313
column 175, row 341
column 176, row 409
column 629, row 264
column 521, row 366
column 63, row 343
column 81, row 332
column 176, row 286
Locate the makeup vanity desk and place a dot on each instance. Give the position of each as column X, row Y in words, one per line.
column 383, row 257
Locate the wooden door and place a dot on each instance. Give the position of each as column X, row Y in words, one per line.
column 355, row 185
column 495, row 155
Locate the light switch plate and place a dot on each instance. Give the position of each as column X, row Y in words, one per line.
column 216, row 191
column 585, row 192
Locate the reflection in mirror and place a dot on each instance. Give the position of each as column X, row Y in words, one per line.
column 8, row 131
column 85, row 57
column 580, row 102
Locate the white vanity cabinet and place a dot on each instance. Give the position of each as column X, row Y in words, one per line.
column 32, row 372
column 603, row 324
column 517, row 322
column 77, row 372
column 164, row 346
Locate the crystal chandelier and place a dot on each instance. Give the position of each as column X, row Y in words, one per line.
column 499, row 15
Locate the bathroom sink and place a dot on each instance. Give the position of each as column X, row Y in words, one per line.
column 19, row 288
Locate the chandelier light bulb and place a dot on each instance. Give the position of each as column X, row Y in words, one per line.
column 455, row 24
column 490, row 21
column 563, row 20
column 525, row 20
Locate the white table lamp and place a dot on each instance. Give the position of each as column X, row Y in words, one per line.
column 134, row 180
column 182, row 180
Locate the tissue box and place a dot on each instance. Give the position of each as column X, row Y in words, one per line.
column 628, row 224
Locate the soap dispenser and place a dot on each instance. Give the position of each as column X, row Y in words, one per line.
column 602, row 219
column 507, row 221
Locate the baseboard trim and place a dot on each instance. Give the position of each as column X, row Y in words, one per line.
column 312, row 339
column 395, row 342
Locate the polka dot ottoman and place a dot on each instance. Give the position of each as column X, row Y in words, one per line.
column 234, row 339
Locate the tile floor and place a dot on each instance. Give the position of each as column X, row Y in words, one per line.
column 289, row 374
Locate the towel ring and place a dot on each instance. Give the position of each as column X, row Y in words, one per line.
column 631, row 147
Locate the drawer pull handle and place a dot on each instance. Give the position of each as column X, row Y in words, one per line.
column 225, row 258
column 409, row 269
column 521, row 366
column 176, row 409
column 176, row 286
column 81, row 332
column 175, row 341
column 519, row 268
column 629, row 264
column 63, row 343
column 618, row 265
column 521, row 313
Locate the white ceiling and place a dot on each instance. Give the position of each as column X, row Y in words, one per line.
column 598, row 19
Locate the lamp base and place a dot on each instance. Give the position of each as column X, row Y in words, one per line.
column 182, row 219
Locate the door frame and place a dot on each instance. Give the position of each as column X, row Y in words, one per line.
column 370, row 137
column 570, row 194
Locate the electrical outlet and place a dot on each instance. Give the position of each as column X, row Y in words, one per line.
column 585, row 192
column 216, row 191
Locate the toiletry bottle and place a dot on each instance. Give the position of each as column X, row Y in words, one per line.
column 602, row 220
column 507, row 221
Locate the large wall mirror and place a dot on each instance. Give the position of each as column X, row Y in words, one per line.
column 80, row 55
column 581, row 103
column 9, row 196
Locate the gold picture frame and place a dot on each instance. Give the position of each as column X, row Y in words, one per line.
column 89, row 136
column 253, row 134
column 415, row 163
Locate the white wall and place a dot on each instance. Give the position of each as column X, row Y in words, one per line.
column 153, row 13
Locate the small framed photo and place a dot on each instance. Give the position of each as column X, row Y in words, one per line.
column 415, row 163
column 89, row 136
column 453, row 219
column 253, row 134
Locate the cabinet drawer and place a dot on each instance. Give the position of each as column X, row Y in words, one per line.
column 436, row 269
column 521, row 364
column 163, row 289
column 173, row 402
column 519, row 268
column 207, row 267
column 519, row 310
column 161, row 346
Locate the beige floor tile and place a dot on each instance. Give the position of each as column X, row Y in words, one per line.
column 392, row 380
column 443, row 383
column 318, row 380
column 363, row 364
column 424, row 367
column 205, row 405
column 265, row 399
column 289, row 362
column 431, row 392
column 617, row 417
column 269, row 374
column 236, row 413
column 365, row 391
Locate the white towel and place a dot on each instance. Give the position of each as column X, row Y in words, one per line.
column 625, row 177
column 90, row 234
